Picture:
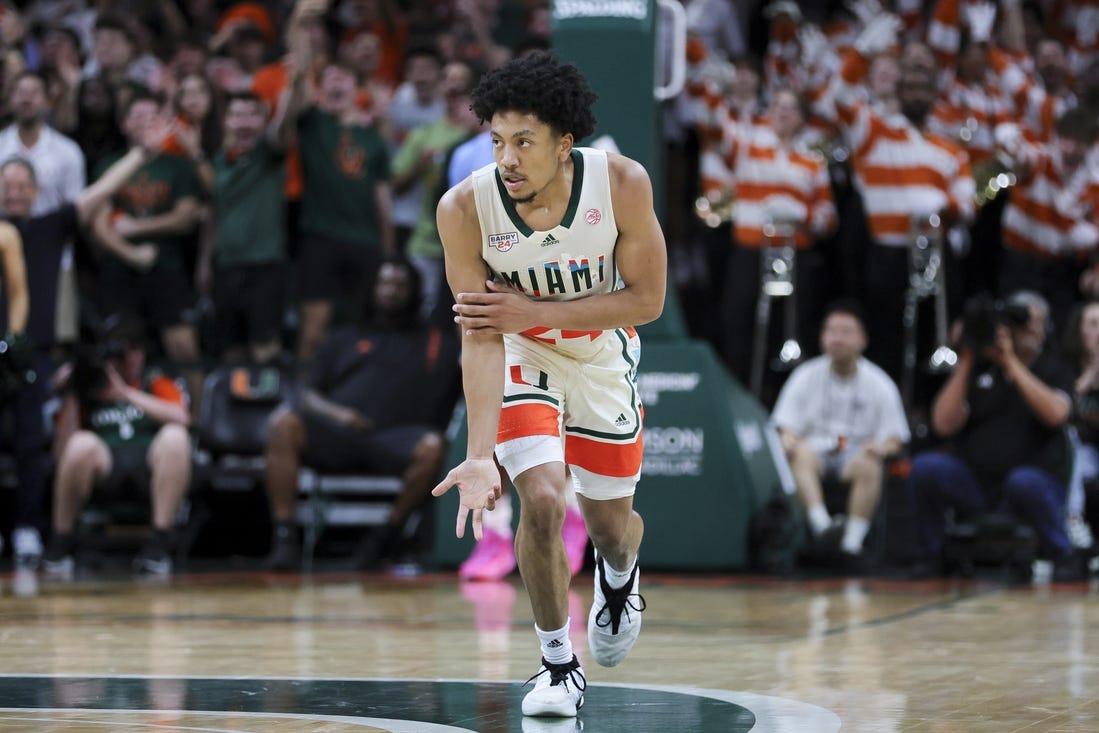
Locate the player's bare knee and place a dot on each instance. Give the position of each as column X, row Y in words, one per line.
column 543, row 511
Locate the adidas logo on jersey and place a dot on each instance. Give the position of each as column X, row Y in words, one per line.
column 621, row 421
column 550, row 240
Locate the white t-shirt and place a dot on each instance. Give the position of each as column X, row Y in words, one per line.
column 58, row 165
column 822, row 407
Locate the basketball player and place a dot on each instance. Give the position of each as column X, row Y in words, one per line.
column 554, row 253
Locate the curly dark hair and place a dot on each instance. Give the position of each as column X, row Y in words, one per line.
column 538, row 83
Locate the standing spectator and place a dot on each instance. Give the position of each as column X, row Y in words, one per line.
column 904, row 174
column 115, row 55
column 377, row 398
column 44, row 238
column 840, row 417
column 97, row 133
column 1049, row 222
column 57, row 161
column 776, row 182
column 1005, row 408
column 26, row 539
column 422, row 159
column 417, row 102
column 120, row 426
column 144, row 269
column 244, row 243
column 347, row 207
column 60, row 67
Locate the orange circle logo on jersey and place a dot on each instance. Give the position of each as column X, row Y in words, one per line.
column 593, row 216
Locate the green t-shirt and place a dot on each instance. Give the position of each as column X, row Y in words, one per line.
column 440, row 136
column 121, row 423
column 155, row 189
column 250, row 207
column 341, row 165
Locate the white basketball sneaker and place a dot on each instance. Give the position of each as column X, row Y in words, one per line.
column 558, row 690
column 615, row 619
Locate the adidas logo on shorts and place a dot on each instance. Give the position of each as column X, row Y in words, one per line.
column 621, row 421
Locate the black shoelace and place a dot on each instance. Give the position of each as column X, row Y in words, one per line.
column 618, row 600
column 561, row 674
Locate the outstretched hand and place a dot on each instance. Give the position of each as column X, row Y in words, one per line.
column 478, row 482
column 501, row 310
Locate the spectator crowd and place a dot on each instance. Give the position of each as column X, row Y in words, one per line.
column 922, row 164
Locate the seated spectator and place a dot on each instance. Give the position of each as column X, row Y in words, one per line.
column 839, row 417
column 121, row 427
column 376, row 400
column 1004, row 409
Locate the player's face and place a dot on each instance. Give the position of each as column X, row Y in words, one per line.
column 528, row 153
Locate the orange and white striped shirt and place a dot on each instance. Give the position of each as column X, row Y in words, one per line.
column 1077, row 22
column 1032, row 106
column 1051, row 214
column 901, row 172
column 772, row 181
column 968, row 114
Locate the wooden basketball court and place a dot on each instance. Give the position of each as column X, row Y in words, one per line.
column 347, row 652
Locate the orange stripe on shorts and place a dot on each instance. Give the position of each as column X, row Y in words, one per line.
column 523, row 420
column 606, row 459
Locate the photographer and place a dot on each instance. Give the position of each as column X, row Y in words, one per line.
column 120, row 426
column 1005, row 408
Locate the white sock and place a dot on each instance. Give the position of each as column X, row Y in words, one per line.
column 556, row 645
column 854, row 532
column 617, row 578
column 819, row 519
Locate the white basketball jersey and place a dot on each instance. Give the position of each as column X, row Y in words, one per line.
column 573, row 260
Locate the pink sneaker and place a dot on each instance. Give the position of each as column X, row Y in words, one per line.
column 492, row 559
column 575, row 534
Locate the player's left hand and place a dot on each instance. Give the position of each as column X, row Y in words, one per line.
column 501, row 310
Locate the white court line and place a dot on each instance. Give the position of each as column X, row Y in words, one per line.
column 773, row 714
column 386, row 724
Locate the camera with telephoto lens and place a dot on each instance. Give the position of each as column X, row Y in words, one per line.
column 98, row 347
column 982, row 314
column 89, row 374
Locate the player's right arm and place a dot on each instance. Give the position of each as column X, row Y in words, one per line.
column 477, row 478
